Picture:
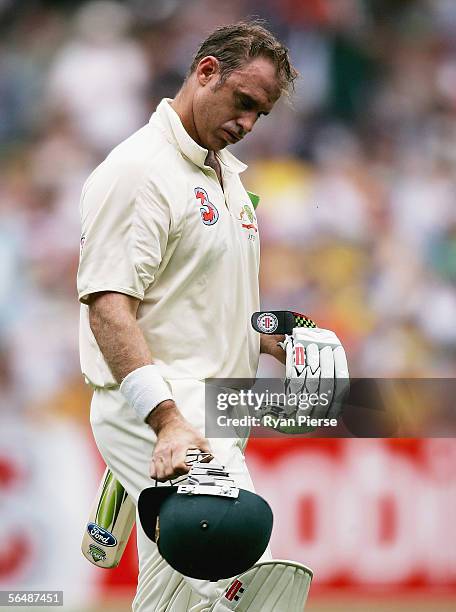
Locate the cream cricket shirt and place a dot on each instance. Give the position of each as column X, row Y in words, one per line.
column 157, row 225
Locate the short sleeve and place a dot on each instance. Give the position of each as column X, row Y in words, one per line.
column 125, row 227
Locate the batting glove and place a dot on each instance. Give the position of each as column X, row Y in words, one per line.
column 316, row 367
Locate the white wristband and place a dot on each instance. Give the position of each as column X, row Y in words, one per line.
column 144, row 388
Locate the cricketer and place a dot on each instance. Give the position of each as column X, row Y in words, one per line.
column 168, row 281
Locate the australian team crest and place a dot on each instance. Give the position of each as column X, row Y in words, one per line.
column 209, row 213
column 247, row 218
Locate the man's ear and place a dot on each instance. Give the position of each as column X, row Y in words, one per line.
column 207, row 70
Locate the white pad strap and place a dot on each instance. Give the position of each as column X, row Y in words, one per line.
column 268, row 586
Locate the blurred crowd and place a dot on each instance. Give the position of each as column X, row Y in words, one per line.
column 356, row 171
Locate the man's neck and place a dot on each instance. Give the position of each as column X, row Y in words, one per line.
column 212, row 161
column 182, row 105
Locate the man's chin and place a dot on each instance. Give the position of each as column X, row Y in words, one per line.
column 217, row 144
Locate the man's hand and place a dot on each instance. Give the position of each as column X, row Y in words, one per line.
column 316, row 364
column 175, row 436
column 269, row 344
column 316, row 380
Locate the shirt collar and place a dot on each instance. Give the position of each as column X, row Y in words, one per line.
column 170, row 122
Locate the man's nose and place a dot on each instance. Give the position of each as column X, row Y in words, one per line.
column 246, row 122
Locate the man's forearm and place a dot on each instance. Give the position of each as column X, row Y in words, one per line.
column 113, row 322
column 166, row 413
column 116, row 330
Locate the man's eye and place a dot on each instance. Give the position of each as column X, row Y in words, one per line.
column 246, row 104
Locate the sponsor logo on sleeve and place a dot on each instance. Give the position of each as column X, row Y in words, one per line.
column 82, row 241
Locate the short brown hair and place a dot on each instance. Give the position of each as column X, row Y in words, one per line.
column 234, row 45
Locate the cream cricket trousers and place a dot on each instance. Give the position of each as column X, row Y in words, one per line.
column 126, row 445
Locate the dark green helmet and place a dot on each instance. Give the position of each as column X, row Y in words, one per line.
column 203, row 534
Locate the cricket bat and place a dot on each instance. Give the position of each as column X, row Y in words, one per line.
column 110, row 523
column 112, row 518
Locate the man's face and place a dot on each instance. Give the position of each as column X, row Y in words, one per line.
column 225, row 113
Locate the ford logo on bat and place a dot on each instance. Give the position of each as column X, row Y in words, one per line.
column 100, row 535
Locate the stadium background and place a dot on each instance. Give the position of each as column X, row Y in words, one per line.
column 358, row 219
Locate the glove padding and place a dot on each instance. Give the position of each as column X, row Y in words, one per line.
column 316, row 364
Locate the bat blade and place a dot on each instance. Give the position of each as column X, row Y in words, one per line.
column 110, row 523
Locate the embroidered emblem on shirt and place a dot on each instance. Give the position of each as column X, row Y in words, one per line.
column 209, row 213
column 248, row 218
